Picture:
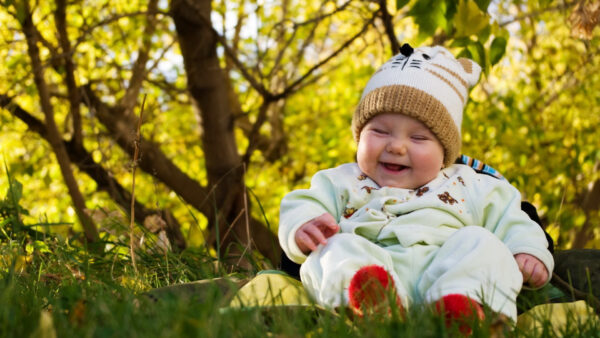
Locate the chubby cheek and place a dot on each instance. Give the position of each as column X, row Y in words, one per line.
column 365, row 157
column 430, row 162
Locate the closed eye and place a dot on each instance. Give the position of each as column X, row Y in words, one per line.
column 420, row 137
column 380, row 131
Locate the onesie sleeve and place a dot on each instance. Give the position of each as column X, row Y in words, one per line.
column 300, row 206
column 500, row 212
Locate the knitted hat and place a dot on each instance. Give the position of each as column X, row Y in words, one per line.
column 426, row 83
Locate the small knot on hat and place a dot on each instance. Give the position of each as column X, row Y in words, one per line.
column 406, row 49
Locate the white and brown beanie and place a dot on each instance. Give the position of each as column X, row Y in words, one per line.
column 426, row 83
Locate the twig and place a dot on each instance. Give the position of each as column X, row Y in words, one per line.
column 577, row 294
column 134, row 166
column 293, row 87
column 249, row 245
column 231, row 225
column 560, row 7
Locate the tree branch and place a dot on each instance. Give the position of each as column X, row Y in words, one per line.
column 253, row 135
column 139, row 71
column 294, row 86
column 104, row 180
column 539, row 12
column 319, row 18
column 90, row 230
column 153, row 161
column 388, row 24
column 73, row 92
column 232, row 55
column 88, row 30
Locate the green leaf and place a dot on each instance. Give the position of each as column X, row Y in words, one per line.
column 21, row 12
column 401, row 3
column 41, row 247
column 429, row 15
column 545, row 3
column 15, row 192
column 461, row 42
column 465, row 53
column 483, row 4
column 484, row 34
column 469, row 19
column 450, row 9
column 8, row 3
column 497, row 50
column 478, row 54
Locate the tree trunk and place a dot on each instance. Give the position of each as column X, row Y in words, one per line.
column 590, row 206
column 156, row 163
column 233, row 230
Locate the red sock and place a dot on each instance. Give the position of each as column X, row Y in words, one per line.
column 460, row 309
column 369, row 289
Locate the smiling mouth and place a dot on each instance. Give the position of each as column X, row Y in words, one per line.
column 394, row 167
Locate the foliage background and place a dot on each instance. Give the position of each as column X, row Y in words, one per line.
column 534, row 116
column 242, row 102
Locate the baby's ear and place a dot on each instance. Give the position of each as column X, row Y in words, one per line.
column 472, row 70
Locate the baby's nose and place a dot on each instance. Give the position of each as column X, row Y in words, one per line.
column 397, row 145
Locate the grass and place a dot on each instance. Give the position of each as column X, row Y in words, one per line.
column 67, row 293
column 53, row 288
column 61, row 291
column 82, row 295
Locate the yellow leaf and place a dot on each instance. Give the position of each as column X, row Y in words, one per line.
column 558, row 315
column 21, row 263
column 46, row 326
column 469, row 19
column 270, row 289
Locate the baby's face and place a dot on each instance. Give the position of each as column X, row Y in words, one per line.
column 399, row 151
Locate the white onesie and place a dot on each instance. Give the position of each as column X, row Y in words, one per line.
column 456, row 234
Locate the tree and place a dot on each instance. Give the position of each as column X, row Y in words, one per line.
column 52, row 133
column 245, row 100
column 544, row 110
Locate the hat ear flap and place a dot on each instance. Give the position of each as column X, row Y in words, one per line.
column 472, row 70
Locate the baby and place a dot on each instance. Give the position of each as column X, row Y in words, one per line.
column 428, row 230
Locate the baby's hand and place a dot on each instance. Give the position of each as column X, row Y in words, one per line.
column 533, row 270
column 315, row 232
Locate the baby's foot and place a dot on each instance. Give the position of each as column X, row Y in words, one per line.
column 460, row 309
column 370, row 291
